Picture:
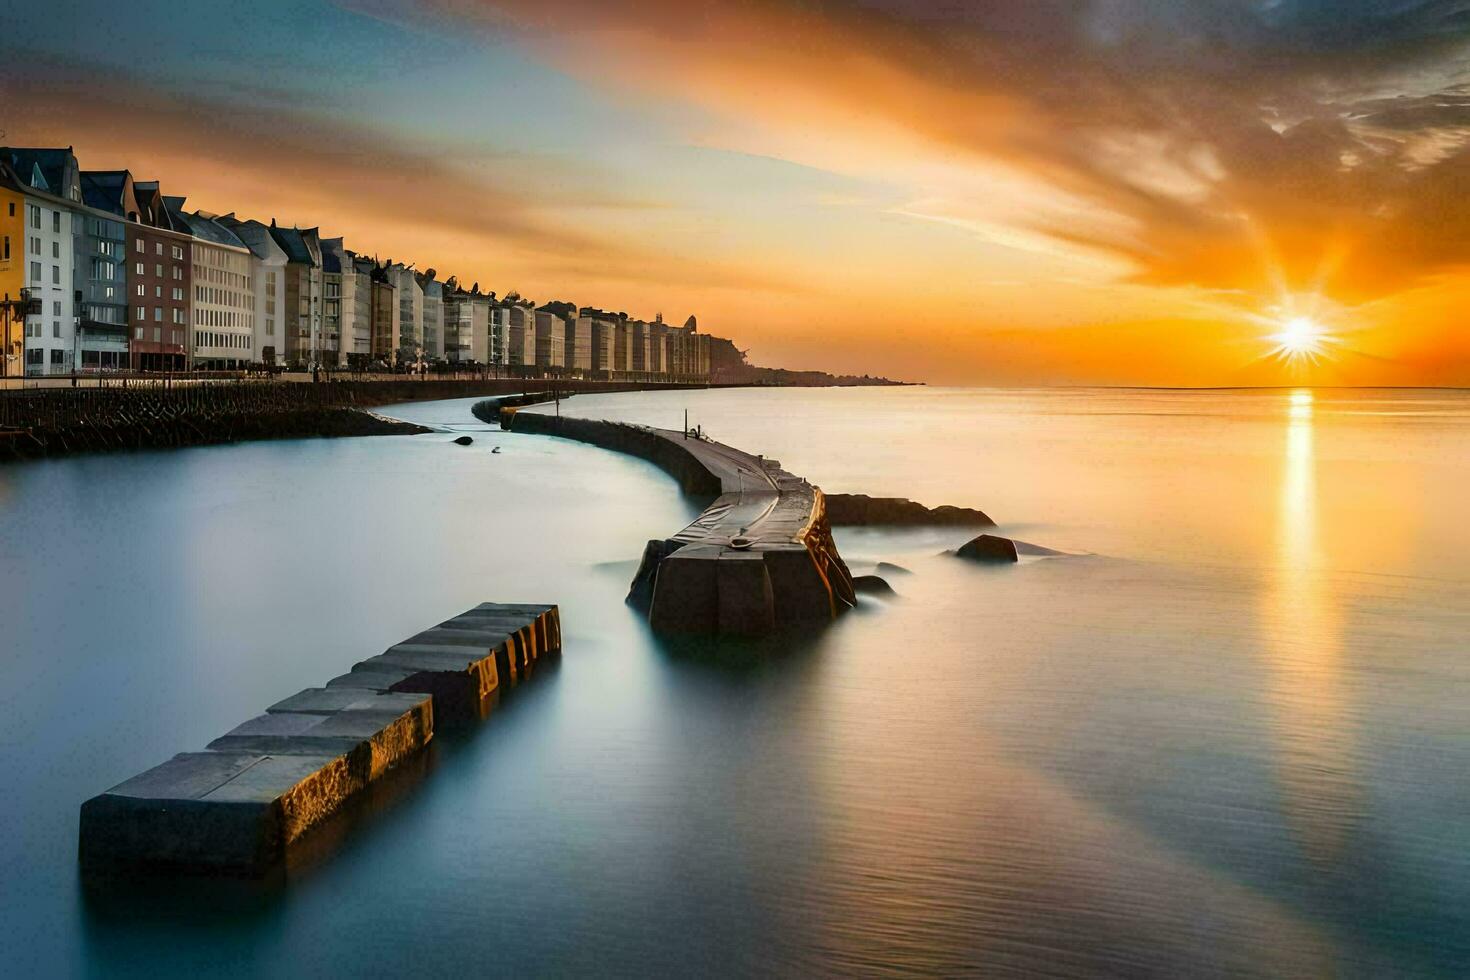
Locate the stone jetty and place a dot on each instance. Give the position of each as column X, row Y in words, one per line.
column 238, row 805
column 759, row 558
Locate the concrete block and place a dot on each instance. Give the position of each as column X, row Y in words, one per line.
column 231, row 813
column 746, row 604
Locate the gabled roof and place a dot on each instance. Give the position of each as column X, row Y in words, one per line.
column 44, row 169
column 296, row 243
column 109, row 190
column 209, row 230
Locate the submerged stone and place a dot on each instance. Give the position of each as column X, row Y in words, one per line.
column 463, row 441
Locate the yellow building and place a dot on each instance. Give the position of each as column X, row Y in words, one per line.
column 12, row 278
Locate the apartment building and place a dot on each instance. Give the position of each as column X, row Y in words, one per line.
column 268, row 279
column 223, row 306
column 306, row 346
column 160, row 283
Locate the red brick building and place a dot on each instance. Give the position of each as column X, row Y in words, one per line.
column 159, row 283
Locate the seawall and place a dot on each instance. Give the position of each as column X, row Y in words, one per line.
column 759, row 558
column 60, row 421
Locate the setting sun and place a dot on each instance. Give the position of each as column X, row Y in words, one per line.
column 1301, row 339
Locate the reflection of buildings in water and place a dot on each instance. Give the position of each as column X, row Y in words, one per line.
column 1312, row 714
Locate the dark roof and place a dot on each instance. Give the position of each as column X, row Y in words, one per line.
column 49, row 166
column 209, row 230
column 107, row 190
column 293, row 242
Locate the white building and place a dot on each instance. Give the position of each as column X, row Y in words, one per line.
column 50, row 337
column 410, row 313
column 223, row 305
column 433, row 316
column 268, row 280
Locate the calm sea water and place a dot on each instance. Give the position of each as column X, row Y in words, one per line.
column 1229, row 734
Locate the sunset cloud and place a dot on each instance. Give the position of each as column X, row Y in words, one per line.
column 823, row 179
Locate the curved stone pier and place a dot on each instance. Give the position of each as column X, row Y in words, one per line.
column 759, row 558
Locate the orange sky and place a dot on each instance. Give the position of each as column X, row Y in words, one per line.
column 1031, row 191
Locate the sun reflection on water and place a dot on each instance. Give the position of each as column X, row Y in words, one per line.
column 1315, row 756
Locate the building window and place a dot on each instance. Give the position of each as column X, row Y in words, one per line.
column 142, row 289
column 158, row 269
column 57, row 355
column 5, row 249
column 56, row 221
column 138, row 245
column 178, row 272
column 12, row 209
column 35, row 272
column 137, row 333
column 178, row 293
column 158, row 292
column 34, row 213
column 56, row 307
column 34, row 356
column 56, row 275
column 158, row 314
column 178, row 252
column 56, row 250
column 56, row 328
column 138, row 269
column 142, row 313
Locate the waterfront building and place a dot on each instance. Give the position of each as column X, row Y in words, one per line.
column 222, row 308
column 433, row 323
column 658, row 343
column 39, row 227
column 499, row 333
column 268, row 280
column 357, row 309
column 466, row 324
column 48, row 182
column 481, row 337
column 410, row 313
column 601, row 337
column 641, row 360
column 551, row 337
column 99, row 269
column 160, row 283
column 384, row 313
column 520, row 336
column 12, row 275
column 306, row 347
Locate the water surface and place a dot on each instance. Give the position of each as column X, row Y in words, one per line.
column 1229, row 737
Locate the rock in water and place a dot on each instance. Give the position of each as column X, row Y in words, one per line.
column 989, row 548
column 872, row 585
column 463, row 441
column 859, row 510
column 888, row 568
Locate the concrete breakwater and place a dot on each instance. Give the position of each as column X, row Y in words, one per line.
column 238, row 805
column 60, row 421
column 759, row 558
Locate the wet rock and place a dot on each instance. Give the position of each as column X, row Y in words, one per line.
column 463, row 441
column 888, row 568
column 872, row 585
column 859, row 509
column 989, row 548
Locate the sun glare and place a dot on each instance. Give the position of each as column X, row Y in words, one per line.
column 1301, row 339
